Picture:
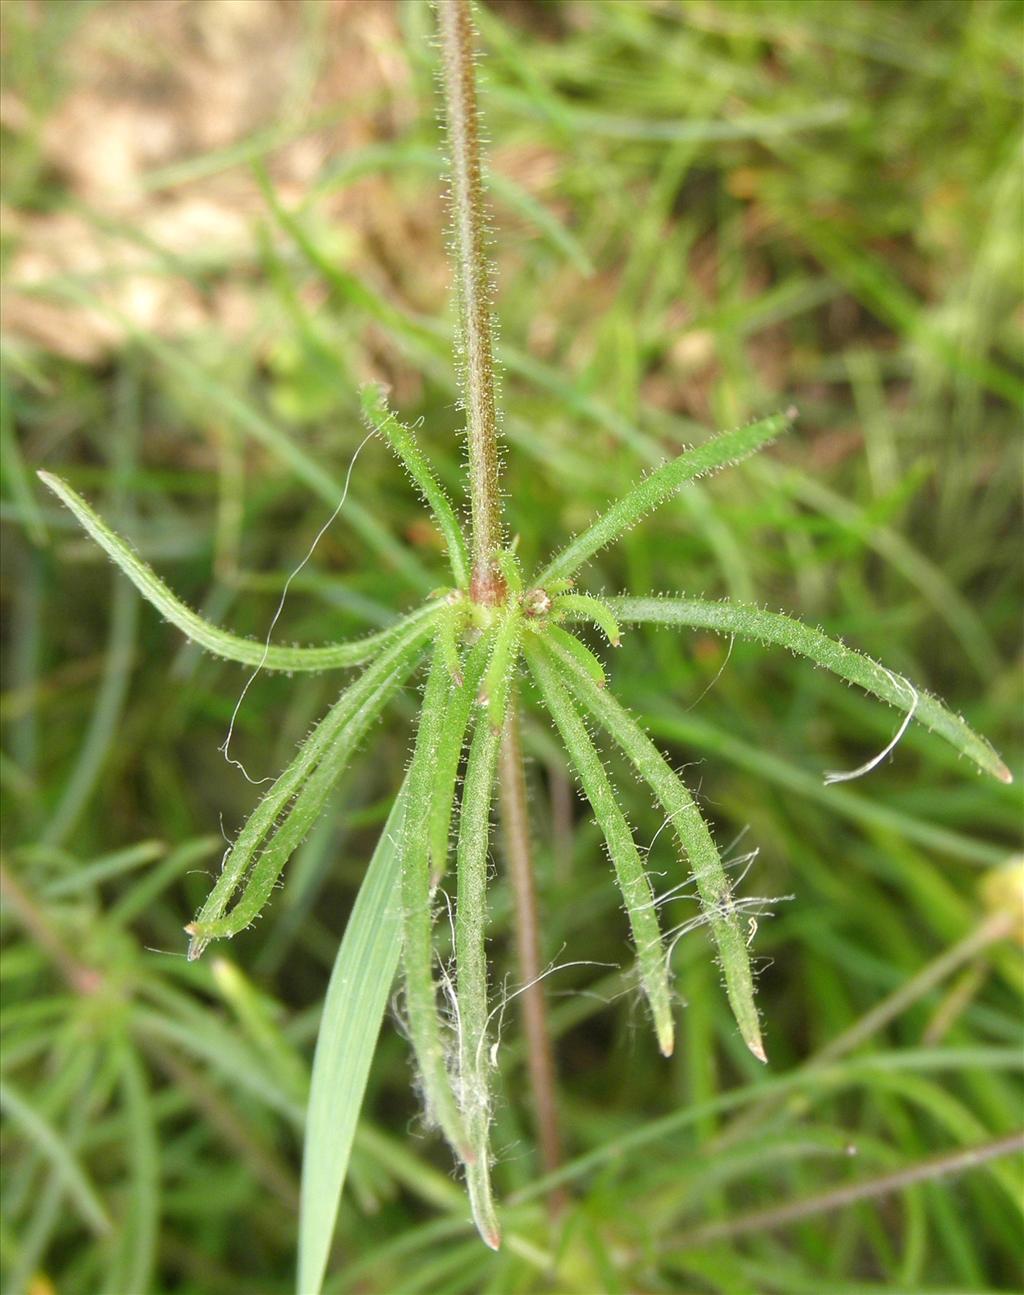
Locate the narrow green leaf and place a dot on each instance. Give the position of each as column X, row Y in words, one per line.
column 330, row 743
column 101, row 731
column 504, row 655
column 660, row 486
column 471, row 964
column 449, row 624
column 584, row 607
column 52, row 1147
column 426, row 1026
column 357, row 997
column 215, row 640
column 783, row 631
column 137, row 1241
column 629, row 869
column 695, row 841
column 577, row 649
column 403, row 442
column 449, row 754
column 289, row 834
column 508, row 565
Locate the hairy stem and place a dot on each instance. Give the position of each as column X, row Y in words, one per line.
column 540, row 1058
column 474, row 286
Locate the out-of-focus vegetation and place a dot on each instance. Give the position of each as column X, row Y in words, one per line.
column 219, row 218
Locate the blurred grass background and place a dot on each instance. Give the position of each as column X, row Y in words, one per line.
column 219, row 218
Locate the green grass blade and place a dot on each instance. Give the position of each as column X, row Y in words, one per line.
column 357, row 997
column 252, row 423
column 896, row 549
column 471, row 963
column 137, row 1242
column 403, row 442
column 215, row 640
column 629, row 869
column 210, row 922
column 783, row 631
column 101, row 732
column 427, row 1029
column 52, row 1147
column 660, row 486
column 695, row 841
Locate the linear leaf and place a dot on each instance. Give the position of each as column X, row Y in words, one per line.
column 695, row 840
column 505, row 654
column 629, row 869
column 576, row 648
column 660, row 486
column 357, row 997
column 376, row 682
column 584, row 607
column 137, row 1242
column 449, row 754
column 403, row 442
column 426, row 1027
column 784, row 631
column 288, row 835
column 52, row 1147
column 471, row 964
column 215, row 640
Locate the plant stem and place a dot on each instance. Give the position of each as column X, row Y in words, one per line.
column 474, row 288
column 540, row 1058
column 924, row 1171
column 80, row 977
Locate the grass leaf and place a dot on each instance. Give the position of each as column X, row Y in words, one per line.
column 52, row 1147
column 357, row 997
column 139, row 1227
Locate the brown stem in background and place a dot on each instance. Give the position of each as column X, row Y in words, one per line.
column 80, row 977
column 778, row 1216
column 540, row 1059
column 474, row 291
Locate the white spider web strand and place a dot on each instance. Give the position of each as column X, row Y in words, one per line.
column 832, row 775
column 225, row 745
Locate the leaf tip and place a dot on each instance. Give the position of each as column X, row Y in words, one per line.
column 197, row 944
column 1003, row 774
column 757, row 1048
